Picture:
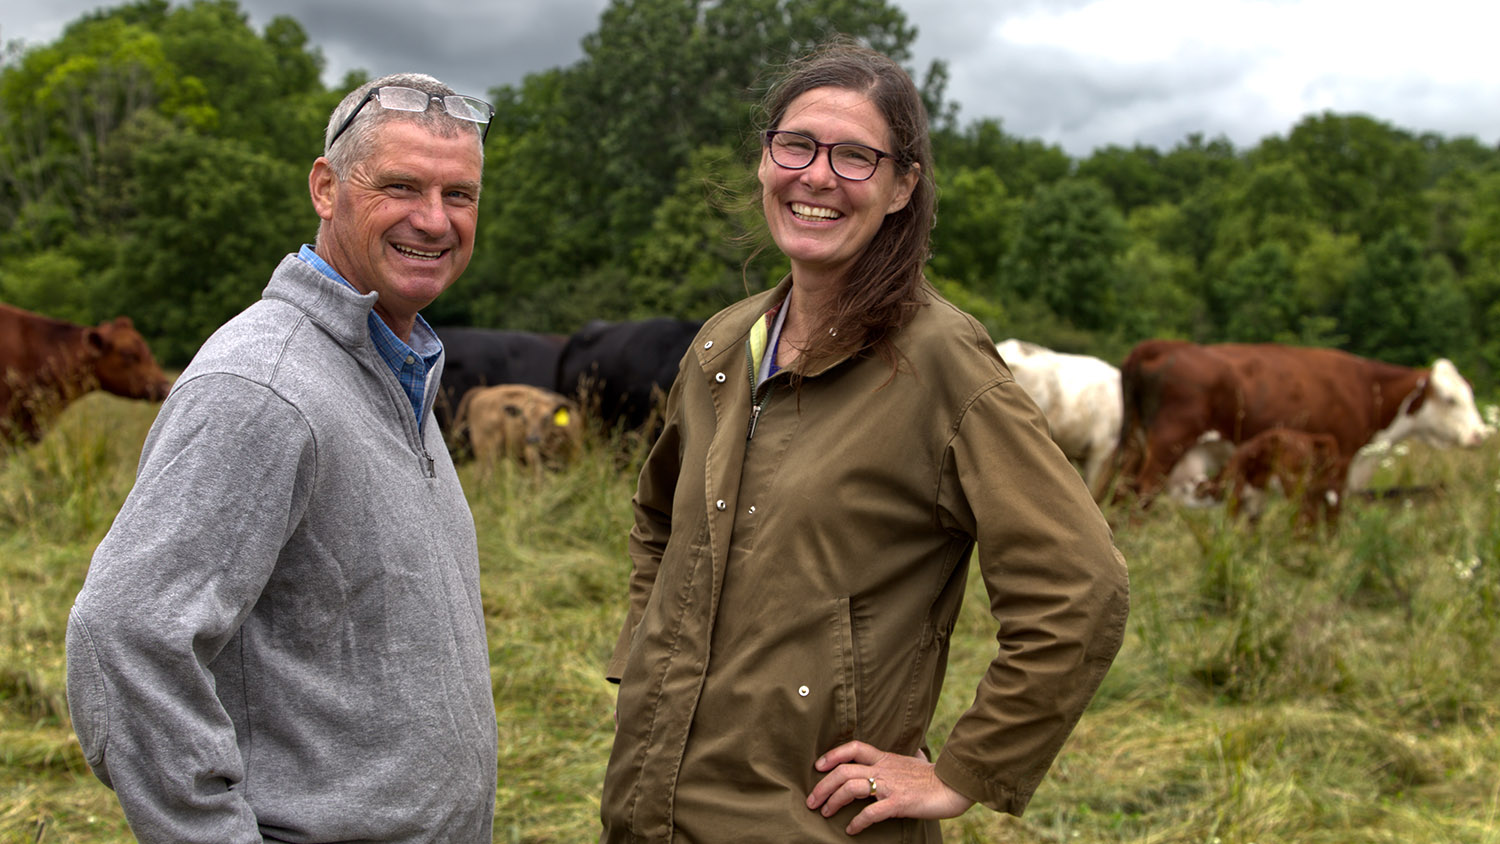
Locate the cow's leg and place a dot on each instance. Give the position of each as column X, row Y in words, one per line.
column 1163, row 449
column 1097, row 470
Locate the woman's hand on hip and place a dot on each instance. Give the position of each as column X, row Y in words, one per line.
column 896, row 786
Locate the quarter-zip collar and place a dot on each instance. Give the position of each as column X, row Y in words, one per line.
column 344, row 313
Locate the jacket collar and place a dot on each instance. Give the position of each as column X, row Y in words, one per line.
column 731, row 329
column 340, row 310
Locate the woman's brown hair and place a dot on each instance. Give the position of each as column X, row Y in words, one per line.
column 882, row 289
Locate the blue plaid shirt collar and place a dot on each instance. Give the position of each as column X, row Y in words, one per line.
column 410, row 363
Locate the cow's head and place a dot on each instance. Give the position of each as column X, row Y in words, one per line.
column 1440, row 411
column 562, row 430
column 122, row 362
column 539, row 426
column 1194, row 478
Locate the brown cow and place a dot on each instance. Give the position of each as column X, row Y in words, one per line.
column 46, row 363
column 530, row 425
column 1175, row 392
column 1297, row 464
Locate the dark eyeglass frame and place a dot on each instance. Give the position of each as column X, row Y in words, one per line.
column 446, row 100
column 770, row 137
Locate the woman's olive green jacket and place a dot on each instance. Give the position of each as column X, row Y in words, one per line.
column 797, row 588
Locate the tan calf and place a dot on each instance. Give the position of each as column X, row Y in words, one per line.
column 530, row 425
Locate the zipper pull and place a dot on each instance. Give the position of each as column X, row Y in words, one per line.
column 754, row 415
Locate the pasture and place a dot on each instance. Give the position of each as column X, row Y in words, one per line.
column 1271, row 689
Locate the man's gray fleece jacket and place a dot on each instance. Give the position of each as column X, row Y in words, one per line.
column 281, row 637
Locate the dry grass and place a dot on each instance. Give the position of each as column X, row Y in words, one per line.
column 1270, row 690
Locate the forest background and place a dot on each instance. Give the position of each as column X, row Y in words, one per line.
column 153, row 163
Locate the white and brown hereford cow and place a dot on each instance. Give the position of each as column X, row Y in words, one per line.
column 1079, row 395
column 1177, row 394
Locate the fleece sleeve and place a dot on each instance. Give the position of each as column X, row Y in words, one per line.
column 224, row 478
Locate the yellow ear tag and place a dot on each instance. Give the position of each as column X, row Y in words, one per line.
column 560, row 418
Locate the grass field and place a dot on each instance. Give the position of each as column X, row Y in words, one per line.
column 1271, row 689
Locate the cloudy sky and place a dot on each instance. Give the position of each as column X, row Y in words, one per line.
column 1078, row 73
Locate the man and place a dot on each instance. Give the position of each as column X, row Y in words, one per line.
column 281, row 636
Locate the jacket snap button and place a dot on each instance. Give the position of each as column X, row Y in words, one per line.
column 752, row 509
column 720, row 504
column 804, row 691
column 708, row 345
column 719, row 377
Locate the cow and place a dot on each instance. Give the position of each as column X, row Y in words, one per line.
column 1194, row 471
column 1079, row 395
column 1297, row 464
column 1173, row 392
column 530, row 425
column 483, row 357
column 46, row 363
column 618, row 371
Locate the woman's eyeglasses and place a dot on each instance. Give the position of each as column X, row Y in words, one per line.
column 796, row 151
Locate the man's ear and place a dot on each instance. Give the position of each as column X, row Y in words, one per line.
column 324, row 187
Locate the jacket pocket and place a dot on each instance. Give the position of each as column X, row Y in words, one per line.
column 846, row 668
column 88, row 698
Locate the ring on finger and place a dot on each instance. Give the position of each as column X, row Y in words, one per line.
column 874, row 788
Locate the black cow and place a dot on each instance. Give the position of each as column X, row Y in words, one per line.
column 616, row 369
column 484, row 357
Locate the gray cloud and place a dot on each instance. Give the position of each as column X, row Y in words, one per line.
column 1081, row 104
column 472, row 46
column 1241, row 84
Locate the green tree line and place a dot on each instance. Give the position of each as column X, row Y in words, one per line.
column 153, row 162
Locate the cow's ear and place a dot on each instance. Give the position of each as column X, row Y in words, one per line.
column 1419, row 396
column 95, row 339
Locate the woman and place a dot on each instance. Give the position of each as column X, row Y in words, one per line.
column 833, row 451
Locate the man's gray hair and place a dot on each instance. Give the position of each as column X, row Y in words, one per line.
column 355, row 144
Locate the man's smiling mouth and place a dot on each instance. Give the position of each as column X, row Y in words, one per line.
column 417, row 253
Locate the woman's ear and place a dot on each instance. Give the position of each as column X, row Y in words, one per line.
column 905, row 184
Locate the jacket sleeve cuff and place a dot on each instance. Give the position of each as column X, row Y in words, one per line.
column 615, row 668
column 959, row 777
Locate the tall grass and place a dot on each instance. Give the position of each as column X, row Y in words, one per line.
column 57, row 499
column 1273, row 687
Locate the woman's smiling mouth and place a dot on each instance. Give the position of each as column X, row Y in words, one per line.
column 813, row 213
